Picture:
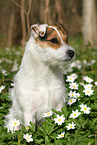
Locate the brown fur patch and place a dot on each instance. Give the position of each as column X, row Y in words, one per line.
column 52, row 38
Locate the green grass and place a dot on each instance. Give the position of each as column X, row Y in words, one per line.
column 85, row 132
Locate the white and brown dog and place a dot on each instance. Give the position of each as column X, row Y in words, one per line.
column 39, row 84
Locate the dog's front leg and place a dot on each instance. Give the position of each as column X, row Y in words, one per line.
column 28, row 116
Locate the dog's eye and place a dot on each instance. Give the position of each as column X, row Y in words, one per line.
column 67, row 40
column 54, row 40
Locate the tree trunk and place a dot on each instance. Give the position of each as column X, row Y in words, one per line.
column 89, row 22
column 59, row 10
column 41, row 10
column 46, row 11
column 23, row 24
column 11, row 27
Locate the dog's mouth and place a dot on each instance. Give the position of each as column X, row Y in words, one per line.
column 67, row 59
column 70, row 59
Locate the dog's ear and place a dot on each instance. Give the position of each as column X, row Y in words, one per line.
column 38, row 30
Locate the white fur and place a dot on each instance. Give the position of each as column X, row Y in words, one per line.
column 39, row 84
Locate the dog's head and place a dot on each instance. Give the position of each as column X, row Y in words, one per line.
column 53, row 41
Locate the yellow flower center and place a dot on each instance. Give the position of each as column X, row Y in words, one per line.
column 27, row 128
column 71, row 101
column 48, row 113
column 62, row 135
column 15, row 123
column 85, row 108
column 59, row 119
column 27, row 138
column 74, row 86
column 70, row 126
column 74, row 114
column 88, row 91
column 72, row 95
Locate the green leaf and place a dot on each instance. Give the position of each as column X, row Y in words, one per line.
column 91, row 141
column 48, row 128
column 39, row 141
column 85, row 123
column 41, row 131
column 57, row 112
column 47, row 140
column 78, row 124
column 65, row 112
column 32, row 126
column 58, row 142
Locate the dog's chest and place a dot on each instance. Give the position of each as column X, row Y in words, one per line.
column 40, row 88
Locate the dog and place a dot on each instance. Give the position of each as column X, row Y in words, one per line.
column 39, row 84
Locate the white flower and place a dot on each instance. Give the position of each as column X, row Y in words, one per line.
column 15, row 123
column 71, row 101
column 84, row 108
column 88, row 92
column 87, row 79
column 73, row 86
column 89, row 64
column 2, row 88
column 84, row 62
column 77, row 95
column 28, row 137
column 75, row 114
column 15, row 67
column 69, row 69
column 3, row 71
column 59, row 119
column 88, row 86
column 70, row 79
column 13, row 84
column 72, row 64
column 72, row 94
column 95, row 83
column 48, row 114
column 77, row 64
column 75, row 76
column 82, row 84
column 8, row 61
column 27, row 128
column 61, row 135
column 71, row 126
column 93, row 61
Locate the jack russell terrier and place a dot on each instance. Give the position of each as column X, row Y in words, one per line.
column 39, row 84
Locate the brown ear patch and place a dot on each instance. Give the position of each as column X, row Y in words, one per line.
column 38, row 29
column 51, row 39
column 61, row 27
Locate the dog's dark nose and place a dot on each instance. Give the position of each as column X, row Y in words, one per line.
column 70, row 53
